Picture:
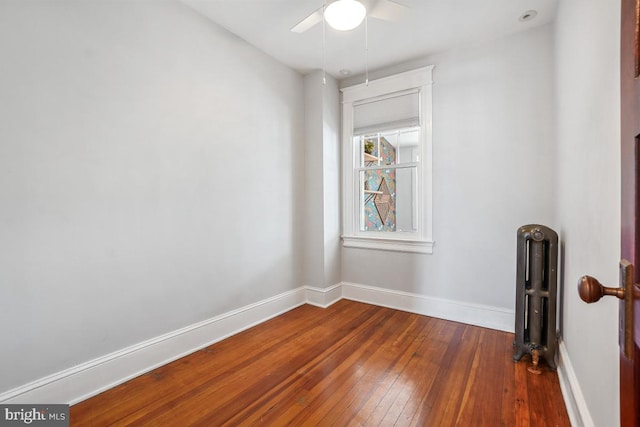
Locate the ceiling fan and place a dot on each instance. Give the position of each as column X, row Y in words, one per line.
column 387, row 10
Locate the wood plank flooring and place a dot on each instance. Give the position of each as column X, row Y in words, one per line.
column 351, row 364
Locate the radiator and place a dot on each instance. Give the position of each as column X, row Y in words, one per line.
column 536, row 295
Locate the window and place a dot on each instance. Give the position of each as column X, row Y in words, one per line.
column 387, row 179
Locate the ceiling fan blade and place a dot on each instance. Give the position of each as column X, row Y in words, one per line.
column 308, row 22
column 388, row 10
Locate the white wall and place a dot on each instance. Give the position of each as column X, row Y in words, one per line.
column 314, row 183
column 588, row 198
column 332, row 183
column 493, row 172
column 151, row 176
column 322, row 180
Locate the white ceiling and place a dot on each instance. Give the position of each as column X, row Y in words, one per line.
column 429, row 26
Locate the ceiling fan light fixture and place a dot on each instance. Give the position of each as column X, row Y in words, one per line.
column 345, row 15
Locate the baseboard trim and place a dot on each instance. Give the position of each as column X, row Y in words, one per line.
column 463, row 312
column 91, row 378
column 324, row 297
column 88, row 379
column 571, row 392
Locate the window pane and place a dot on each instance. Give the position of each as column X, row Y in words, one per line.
column 389, row 148
column 376, row 150
column 378, row 200
column 368, row 150
column 406, row 143
column 388, row 199
column 406, row 194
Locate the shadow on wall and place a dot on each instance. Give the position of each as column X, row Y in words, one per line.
column 561, row 286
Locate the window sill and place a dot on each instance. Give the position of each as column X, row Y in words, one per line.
column 385, row 244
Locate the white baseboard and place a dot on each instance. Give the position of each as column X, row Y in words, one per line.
column 88, row 379
column 93, row 377
column 324, row 297
column 571, row 392
column 474, row 314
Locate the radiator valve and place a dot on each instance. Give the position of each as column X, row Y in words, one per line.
column 535, row 357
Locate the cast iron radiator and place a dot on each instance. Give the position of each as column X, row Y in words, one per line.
column 536, row 295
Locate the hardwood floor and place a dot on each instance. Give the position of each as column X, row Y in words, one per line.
column 351, row 364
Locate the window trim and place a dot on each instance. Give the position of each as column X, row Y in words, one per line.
column 422, row 240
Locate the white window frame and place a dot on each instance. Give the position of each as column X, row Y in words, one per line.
column 420, row 241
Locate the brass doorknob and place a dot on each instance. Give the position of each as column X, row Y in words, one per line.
column 591, row 290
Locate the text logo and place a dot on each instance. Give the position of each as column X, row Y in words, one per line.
column 39, row 415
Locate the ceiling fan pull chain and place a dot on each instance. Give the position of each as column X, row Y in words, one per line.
column 366, row 49
column 324, row 47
